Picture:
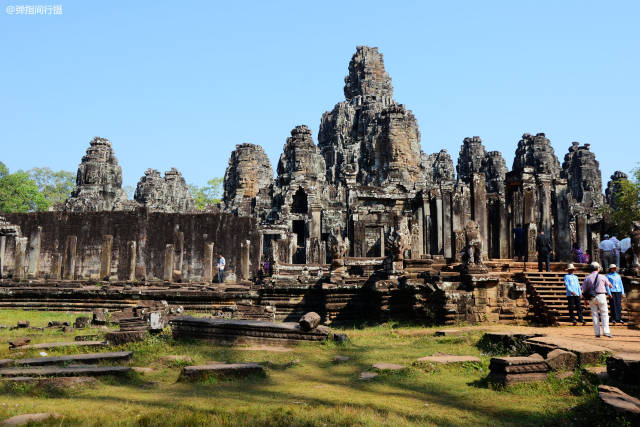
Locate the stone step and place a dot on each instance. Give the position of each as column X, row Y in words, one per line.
column 49, row 345
column 81, row 358
column 68, row 371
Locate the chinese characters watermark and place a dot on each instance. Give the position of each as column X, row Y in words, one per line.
column 40, row 9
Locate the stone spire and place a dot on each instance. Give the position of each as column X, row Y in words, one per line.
column 536, row 152
column 471, row 158
column 442, row 167
column 301, row 160
column 367, row 77
column 369, row 134
column 168, row 194
column 495, row 170
column 248, row 172
column 613, row 186
column 99, row 181
column 584, row 180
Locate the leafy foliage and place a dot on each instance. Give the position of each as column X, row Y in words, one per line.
column 209, row 194
column 19, row 192
column 55, row 186
column 627, row 210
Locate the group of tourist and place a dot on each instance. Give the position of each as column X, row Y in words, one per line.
column 595, row 289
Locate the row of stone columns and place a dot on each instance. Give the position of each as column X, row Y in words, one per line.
column 63, row 266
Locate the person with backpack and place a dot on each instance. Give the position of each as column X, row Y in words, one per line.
column 594, row 289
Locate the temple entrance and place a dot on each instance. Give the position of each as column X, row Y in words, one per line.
column 299, row 227
column 299, row 204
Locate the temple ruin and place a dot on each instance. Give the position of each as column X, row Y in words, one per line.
column 361, row 225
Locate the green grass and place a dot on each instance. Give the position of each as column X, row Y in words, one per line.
column 304, row 387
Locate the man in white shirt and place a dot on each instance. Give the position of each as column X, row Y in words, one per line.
column 607, row 248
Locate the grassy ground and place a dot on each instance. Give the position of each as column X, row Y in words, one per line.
column 303, row 386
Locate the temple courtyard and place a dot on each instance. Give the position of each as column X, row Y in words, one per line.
column 373, row 378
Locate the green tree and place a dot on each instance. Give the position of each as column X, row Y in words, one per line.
column 627, row 204
column 209, row 194
column 19, row 193
column 55, row 186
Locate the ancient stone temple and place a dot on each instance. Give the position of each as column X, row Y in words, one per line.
column 613, row 186
column 164, row 194
column 363, row 225
column 99, row 181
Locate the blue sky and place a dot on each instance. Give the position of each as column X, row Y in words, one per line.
column 181, row 83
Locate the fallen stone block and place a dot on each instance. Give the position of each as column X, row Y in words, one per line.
column 600, row 372
column 80, row 358
column 124, row 337
column 221, row 371
column 309, row 321
column 587, row 353
column 93, row 337
column 619, row 401
column 23, row 419
column 57, row 324
column 384, row 366
column 22, row 324
column 100, row 316
column 82, row 322
column 562, row 360
column 516, row 378
column 448, row 359
column 18, row 342
column 68, row 371
column 624, row 367
column 367, row 376
column 62, row 383
column 49, row 345
column 340, row 359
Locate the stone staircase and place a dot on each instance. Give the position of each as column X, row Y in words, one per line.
column 548, row 297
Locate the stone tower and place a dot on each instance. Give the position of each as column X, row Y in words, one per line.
column 99, row 181
column 168, row 194
column 249, row 171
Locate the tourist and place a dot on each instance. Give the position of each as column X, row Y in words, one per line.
column 572, row 284
column 625, row 245
column 616, row 249
column 607, row 248
column 543, row 250
column 221, row 264
column 519, row 241
column 578, row 255
column 266, row 267
column 616, row 292
column 594, row 289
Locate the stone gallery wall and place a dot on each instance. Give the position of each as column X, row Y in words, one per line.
column 50, row 240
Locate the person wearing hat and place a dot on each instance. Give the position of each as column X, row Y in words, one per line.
column 616, row 292
column 594, row 289
column 572, row 284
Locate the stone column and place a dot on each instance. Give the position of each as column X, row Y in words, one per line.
column 180, row 244
column 315, row 225
column 56, row 266
column 105, row 257
column 19, row 258
column 505, row 235
column 446, row 223
column 69, row 263
column 544, row 192
column 439, row 225
column 3, row 245
column 207, row 274
column 382, row 241
column 426, row 226
column 132, row 255
column 582, row 235
column 563, row 235
column 245, row 248
column 34, row 252
column 479, row 211
column 169, row 255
